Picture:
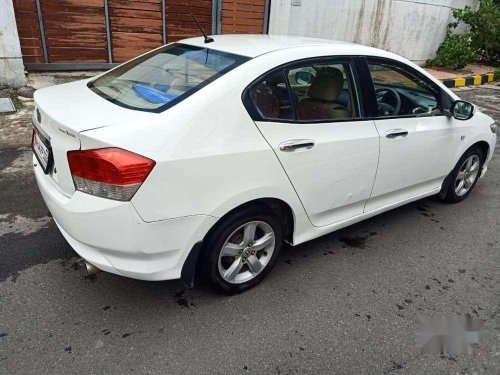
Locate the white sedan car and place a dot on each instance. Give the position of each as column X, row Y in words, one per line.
column 202, row 157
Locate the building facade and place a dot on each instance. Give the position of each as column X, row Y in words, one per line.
column 411, row 28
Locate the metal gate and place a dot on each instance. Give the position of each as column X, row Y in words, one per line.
column 97, row 34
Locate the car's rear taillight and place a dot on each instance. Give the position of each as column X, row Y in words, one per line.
column 110, row 173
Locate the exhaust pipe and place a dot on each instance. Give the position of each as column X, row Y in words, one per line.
column 90, row 269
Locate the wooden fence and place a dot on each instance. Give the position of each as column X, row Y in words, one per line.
column 76, row 34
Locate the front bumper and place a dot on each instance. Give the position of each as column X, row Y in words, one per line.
column 492, row 146
column 112, row 236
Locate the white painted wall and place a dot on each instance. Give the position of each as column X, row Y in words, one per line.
column 11, row 61
column 411, row 28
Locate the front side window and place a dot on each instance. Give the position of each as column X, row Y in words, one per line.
column 401, row 92
column 164, row 77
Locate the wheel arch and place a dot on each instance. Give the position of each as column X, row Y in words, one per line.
column 194, row 261
column 272, row 204
column 483, row 146
column 485, row 149
column 477, row 142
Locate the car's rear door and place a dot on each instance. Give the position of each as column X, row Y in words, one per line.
column 417, row 140
column 309, row 113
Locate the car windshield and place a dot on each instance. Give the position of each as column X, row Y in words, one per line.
column 164, row 77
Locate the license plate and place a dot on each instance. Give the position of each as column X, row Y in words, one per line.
column 42, row 151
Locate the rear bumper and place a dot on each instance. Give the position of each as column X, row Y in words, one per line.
column 112, row 236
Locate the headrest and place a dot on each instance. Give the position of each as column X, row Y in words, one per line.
column 177, row 87
column 327, row 85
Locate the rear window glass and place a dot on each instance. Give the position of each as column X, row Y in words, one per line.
column 164, row 77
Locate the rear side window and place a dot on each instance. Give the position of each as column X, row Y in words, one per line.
column 164, row 77
column 312, row 91
column 323, row 91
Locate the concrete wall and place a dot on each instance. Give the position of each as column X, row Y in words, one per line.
column 411, row 28
column 11, row 62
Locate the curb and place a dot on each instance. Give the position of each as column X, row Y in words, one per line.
column 469, row 81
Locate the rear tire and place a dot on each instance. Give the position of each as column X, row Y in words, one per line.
column 241, row 249
column 462, row 180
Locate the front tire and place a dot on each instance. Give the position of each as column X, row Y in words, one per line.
column 462, row 180
column 242, row 249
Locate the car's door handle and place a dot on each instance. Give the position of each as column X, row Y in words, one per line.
column 296, row 144
column 396, row 133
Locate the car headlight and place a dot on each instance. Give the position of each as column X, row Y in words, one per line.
column 494, row 128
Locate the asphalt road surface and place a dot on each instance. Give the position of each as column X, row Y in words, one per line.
column 348, row 302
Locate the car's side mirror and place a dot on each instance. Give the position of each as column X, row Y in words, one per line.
column 304, row 78
column 462, row 110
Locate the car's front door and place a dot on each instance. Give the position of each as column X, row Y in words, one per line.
column 309, row 113
column 417, row 140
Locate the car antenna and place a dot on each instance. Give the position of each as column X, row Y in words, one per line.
column 207, row 38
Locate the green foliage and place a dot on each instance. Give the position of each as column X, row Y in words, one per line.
column 455, row 52
column 484, row 29
column 497, row 74
column 480, row 42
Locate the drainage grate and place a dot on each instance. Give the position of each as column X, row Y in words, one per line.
column 6, row 105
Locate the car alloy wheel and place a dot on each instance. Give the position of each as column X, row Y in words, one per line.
column 246, row 252
column 467, row 175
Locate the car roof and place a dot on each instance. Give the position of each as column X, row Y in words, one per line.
column 253, row 45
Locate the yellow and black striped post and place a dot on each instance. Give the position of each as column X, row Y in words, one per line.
column 469, row 81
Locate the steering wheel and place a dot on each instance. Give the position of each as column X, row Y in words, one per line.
column 384, row 108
